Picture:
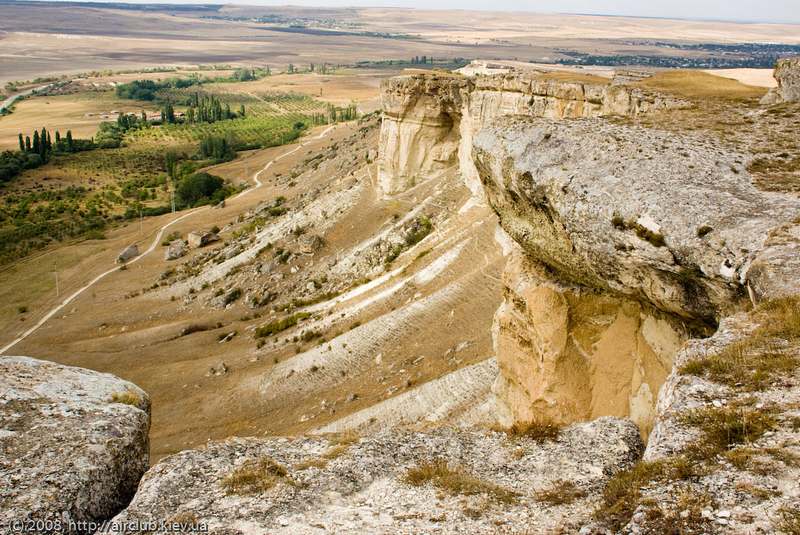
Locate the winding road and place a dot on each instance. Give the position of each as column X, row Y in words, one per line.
column 153, row 245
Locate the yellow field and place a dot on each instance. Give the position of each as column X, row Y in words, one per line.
column 80, row 113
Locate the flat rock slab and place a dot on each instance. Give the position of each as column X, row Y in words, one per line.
column 73, row 445
column 357, row 485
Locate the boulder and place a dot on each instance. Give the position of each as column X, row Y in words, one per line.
column 131, row 251
column 175, row 250
column 201, row 238
column 73, row 444
column 349, row 485
column 787, row 74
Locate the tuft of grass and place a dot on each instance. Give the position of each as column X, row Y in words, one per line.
column 747, row 364
column 195, row 328
column 656, row 239
column 623, row 492
column 789, row 520
column 726, row 427
column 561, row 493
column 255, row 477
column 456, row 481
column 540, row 430
column 126, row 398
column 703, row 231
column 280, row 325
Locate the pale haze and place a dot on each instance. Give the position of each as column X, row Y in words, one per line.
column 738, row 10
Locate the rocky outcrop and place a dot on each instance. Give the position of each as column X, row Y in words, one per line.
column 364, row 485
column 429, row 120
column 73, row 446
column 176, row 249
column 787, row 74
column 569, row 353
column 631, row 238
column 669, row 219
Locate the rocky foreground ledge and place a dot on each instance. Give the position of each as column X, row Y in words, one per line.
column 444, row 481
column 73, row 446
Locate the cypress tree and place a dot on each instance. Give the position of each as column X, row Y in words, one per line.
column 27, row 143
column 21, row 144
column 58, row 138
column 36, row 148
column 49, row 142
column 69, row 140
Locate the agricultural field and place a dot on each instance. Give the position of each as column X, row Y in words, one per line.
column 80, row 112
column 81, row 195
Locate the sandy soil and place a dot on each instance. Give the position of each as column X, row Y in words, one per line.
column 756, row 77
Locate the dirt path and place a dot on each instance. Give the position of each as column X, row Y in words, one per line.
column 52, row 312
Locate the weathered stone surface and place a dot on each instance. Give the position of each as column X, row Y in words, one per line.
column 175, row 250
column 132, row 251
column 568, row 353
column 787, row 74
column 670, row 219
column 748, row 496
column 358, row 487
column 201, row 238
column 73, row 443
column 429, row 120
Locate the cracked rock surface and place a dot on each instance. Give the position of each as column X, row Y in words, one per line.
column 73, row 443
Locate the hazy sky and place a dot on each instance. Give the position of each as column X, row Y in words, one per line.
column 742, row 10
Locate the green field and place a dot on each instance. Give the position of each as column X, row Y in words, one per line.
column 80, row 195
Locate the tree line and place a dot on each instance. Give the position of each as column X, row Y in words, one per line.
column 36, row 149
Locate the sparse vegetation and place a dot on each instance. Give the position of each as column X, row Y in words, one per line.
column 656, row 239
column 277, row 326
column 789, row 520
column 725, row 427
column 255, row 477
column 757, row 361
column 126, row 398
column 623, row 492
column 455, row 481
column 560, row 493
column 540, row 430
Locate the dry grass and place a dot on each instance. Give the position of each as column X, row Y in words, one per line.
column 761, row 461
column 623, row 492
column 456, row 481
column 780, row 318
column 726, row 427
column 756, row 362
column 560, row 493
column 563, row 76
column 540, row 430
column 789, row 520
column 255, row 477
column 700, row 85
column 126, row 398
column 747, row 364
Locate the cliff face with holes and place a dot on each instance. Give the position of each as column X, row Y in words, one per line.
column 627, row 240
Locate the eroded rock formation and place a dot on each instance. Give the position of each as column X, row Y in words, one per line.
column 429, row 120
column 73, row 445
column 787, row 74
column 632, row 239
